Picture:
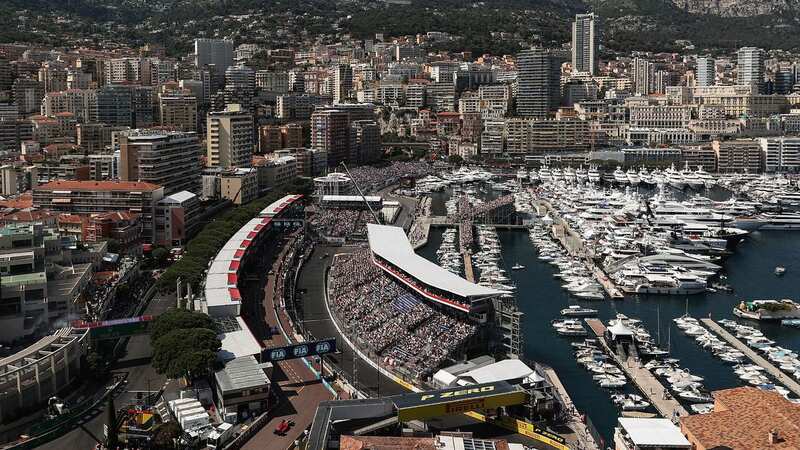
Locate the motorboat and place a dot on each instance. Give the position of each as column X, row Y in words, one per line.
column 593, row 175
column 517, row 266
column 694, row 396
column 780, row 270
column 633, row 177
column 569, row 327
column 675, row 179
column 619, row 176
column 767, row 310
column 581, row 175
column 578, row 311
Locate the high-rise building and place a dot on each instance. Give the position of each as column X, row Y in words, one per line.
column 214, row 52
column 81, row 102
column 706, row 71
column 750, row 67
column 240, row 86
column 129, row 70
column 643, row 76
column 539, row 78
column 178, row 111
column 584, row 44
column 115, row 105
column 230, row 138
column 784, row 81
column 330, row 132
column 28, row 94
column 270, row 81
column 342, row 82
column 366, row 141
column 167, row 158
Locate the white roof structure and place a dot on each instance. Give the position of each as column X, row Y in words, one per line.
column 507, row 369
column 620, row 329
column 351, row 198
column 238, row 343
column 653, row 433
column 391, row 244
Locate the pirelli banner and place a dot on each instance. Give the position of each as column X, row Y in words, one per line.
column 479, row 397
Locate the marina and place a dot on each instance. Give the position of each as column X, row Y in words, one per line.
column 648, row 384
column 747, row 271
column 755, row 357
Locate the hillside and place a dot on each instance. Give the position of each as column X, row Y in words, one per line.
column 656, row 25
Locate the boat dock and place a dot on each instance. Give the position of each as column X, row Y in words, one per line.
column 580, row 435
column 754, row 357
column 647, row 383
column 573, row 243
column 469, row 271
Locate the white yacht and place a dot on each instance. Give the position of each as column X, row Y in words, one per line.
column 522, row 175
column 658, row 178
column 620, row 177
column 645, row 176
column 558, row 175
column 781, row 221
column 570, row 175
column 545, row 175
column 593, row 174
column 580, row 174
column 578, row 311
column 691, row 179
column 633, row 177
column 707, row 179
column 675, row 178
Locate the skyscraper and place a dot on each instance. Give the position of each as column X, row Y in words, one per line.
column 342, row 82
column 230, row 138
column 706, row 71
column 584, row 44
column 330, row 132
column 167, row 158
column 643, row 76
column 240, row 86
column 750, row 67
column 216, row 52
column 539, row 82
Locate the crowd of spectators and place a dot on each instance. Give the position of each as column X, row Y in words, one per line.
column 470, row 208
column 341, row 223
column 373, row 178
column 392, row 321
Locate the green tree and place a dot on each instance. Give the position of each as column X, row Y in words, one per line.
column 189, row 353
column 160, row 256
column 178, row 319
column 455, row 160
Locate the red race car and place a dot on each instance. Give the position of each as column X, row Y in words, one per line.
column 283, row 427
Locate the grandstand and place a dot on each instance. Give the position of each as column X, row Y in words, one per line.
column 222, row 298
column 392, row 252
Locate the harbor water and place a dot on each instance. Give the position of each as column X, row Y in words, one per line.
column 750, row 272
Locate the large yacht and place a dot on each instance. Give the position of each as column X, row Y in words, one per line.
column 675, row 178
column 633, row 177
column 691, row 179
column 781, row 221
column 645, row 176
column 557, row 174
column 767, row 310
column 620, row 177
column 658, row 178
column 522, row 175
column 593, row 174
column 570, row 175
column 545, row 175
column 581, row 175
column 707, row 179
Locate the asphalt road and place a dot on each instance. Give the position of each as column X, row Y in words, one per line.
column 311, row 295
column 297, row 389
column 140, row 375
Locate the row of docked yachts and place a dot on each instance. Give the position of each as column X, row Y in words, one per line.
column 488, row 262
column 751, row 374
column 678, row 179
column 449, row 254
column 784, row 359
column 604, row 372
column 645, row 245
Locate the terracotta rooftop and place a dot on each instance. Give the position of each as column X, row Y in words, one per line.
column 743, row 418
column 97, row 186
column 23, row 201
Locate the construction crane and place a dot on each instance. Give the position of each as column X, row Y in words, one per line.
column 361, row 193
